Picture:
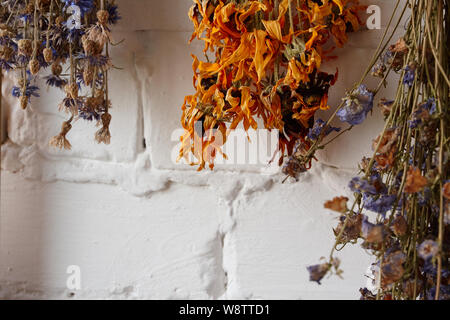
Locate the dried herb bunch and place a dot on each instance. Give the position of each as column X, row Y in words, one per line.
column 69, row 37
column 401, row 211
column 267, row 58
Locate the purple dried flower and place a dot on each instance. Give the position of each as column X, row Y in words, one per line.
column 320, row 128
column 381, row 204
column 357, row 106
column 318, row 271
column 444, row 293
column 428, row 249
column 372, row 233
column 410, row 73
column 360, row 185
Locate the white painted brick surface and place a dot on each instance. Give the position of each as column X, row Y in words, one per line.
column 140, row 226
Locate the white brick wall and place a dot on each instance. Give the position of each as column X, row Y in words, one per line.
column 140, row 226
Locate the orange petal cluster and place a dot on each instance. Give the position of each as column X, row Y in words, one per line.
column 263, row 60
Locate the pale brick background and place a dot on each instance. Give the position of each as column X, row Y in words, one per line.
column 140, row 226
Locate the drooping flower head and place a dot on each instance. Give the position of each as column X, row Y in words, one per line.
column 357, row 106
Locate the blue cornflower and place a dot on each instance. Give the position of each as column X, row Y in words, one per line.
column 113, row 13
column 55, row 81
column 88, row 114
column 357, row 106
column 95, row 60
column 410, row 74
column 29, row 91
column 320, row 128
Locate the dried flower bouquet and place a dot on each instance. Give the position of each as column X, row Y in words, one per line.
column 57, row 34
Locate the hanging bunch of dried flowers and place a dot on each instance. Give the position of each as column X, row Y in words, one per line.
column 61, row 34
column 404, row 188
column 267, row 58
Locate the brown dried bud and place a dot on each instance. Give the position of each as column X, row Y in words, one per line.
column 29, row 9
column 88, row 75
column 5, row 31
column 34, row 66
column 59, row 20
column 72, row 90
column 102, row 16
column 43, row 3
column 60, row 140
column 48, row 55
column 23, row 102
column 399, row 226
column 89, row 46
column 6, row 53
column 25, row 47
column 56, row 69
column 103, row 135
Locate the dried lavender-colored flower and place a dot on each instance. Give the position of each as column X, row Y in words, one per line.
column 410, row 73
column 318, row 271
column 352, row 230
column 423, row 113
column 360, row 185
column 357, row 106
column 428, row 249
column 380, row 204
column 392, row 268
column 372, row 233
column 320, row 129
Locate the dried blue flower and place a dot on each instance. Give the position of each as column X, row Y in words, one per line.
column 321, row 129
column 380, row 204
column 410, row 74
column 100, row 61
column 29, row 91
column 372, row 233
column 357, row 106
column 55, row 81
column 360, row 185
column 428, row 249
column 444, row 293
column 422, row 113
column 113, row 11
column 318, row 271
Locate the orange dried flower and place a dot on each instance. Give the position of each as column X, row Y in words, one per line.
column 338, row 204
column 415, row 182
column 266, row 66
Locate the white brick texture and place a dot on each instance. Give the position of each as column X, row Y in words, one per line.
column 142, row 227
